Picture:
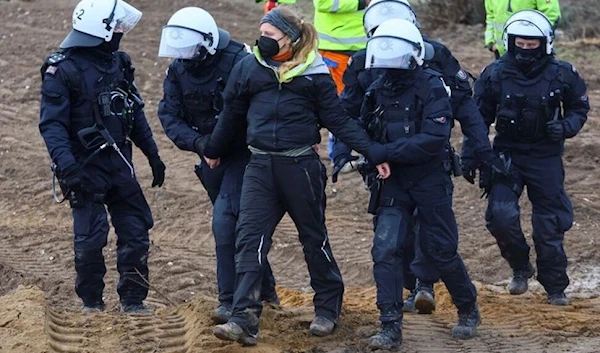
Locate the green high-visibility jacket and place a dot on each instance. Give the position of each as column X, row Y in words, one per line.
column 340, row 24
column 278, row 1
column 498, row 12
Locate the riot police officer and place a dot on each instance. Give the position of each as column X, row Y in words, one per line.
column 522, row 92
column 90, row 113
column 204, row 55
column 409, row 110
column 438, row 58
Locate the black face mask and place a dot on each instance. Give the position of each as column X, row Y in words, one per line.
column 115, row 41
column 268, row 47
column 399, row 77
column 527, row 57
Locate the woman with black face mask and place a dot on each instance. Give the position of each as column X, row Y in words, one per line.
column 283, row 95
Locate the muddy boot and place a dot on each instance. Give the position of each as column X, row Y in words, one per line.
column 389, row 336
column 467, row 323
column 409, row 303
column 425, row 298
column 321, row 326
column 221, row 314
column 518, row 284
column 559, row 299
column 93, row 307
column 136, row 309
column 233, row 332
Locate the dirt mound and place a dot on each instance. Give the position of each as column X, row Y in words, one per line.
column 22, row 321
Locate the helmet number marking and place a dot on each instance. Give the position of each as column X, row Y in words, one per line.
column 81, row 12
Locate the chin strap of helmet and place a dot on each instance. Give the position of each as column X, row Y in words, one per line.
column 107, row 21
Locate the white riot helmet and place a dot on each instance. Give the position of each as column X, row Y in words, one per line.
column 396, row 44
column 95, row 22
column 528, row 24
column 380, row 11
column 191, row 33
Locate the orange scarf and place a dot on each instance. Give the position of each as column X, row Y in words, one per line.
column 283, row 57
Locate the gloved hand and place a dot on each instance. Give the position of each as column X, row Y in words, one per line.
column 73, row 177
column 469, row 168
column 488, row 171
column 270, row 5
column 200, row 144
column 339, row 163
column 158, row 170
column 555, row 130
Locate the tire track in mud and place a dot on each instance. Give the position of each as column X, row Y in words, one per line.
column 163, row 332
column 37, row 263
column 429, row 334
column 64, row 333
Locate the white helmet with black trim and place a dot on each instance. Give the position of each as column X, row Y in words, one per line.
column 380, row 11
column 192, row 33
column 95, row 22
column 528, row 24
column 396, row 44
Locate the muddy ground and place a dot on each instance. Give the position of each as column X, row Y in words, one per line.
column 39, row 311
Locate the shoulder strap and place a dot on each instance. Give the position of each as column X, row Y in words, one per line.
column 127, row 66
column 52, row 59
column 72, row 71
column 229, row 56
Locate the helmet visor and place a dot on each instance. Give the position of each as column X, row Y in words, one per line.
column 180, row 43
column 386, row 10
column 127, row 17
column 390, row 53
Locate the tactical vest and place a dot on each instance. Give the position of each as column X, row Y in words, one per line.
column 98, row 94
column 400, row 113
column 202, row 99
column 526, row 105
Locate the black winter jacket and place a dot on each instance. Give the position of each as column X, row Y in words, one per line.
column 284, row 116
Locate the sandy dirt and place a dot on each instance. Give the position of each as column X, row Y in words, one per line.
column 39, row 311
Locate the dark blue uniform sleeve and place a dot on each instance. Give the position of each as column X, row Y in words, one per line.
column 353, row 92
column 575, row 100
column 170, row 114
column 232, row 119
column 55, row 117
column 351, row 98
column 435, row 130
column 469, row 117
column 333, row 116
column 486, row 96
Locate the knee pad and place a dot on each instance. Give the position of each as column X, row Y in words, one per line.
column 502, row 217
column 389, row 234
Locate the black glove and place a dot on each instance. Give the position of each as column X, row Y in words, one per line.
column 73, row 178
column 339, row 163
column 469, row 168
column 555, row 130
column 200, row 144
column 488, row 171
column 158, row 171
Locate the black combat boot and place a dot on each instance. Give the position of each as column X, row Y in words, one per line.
column 389, row 336
column 467, row 323
column 221, row 314
column 409, row 303
column 425, row 298
column 559, row 299
column 233, row 332
column 518, row 284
